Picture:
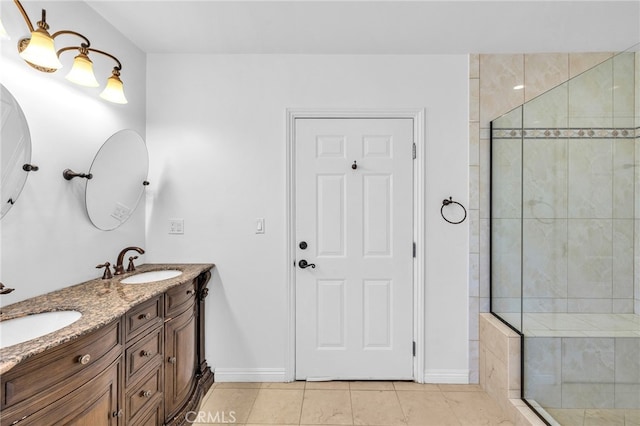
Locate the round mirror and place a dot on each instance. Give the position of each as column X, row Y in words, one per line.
column 15, row 150
column 119, row 173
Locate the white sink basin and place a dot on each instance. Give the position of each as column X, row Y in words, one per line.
column 151, row 276
column 18, row 330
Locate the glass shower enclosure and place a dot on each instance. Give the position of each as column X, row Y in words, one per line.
column 565, row 243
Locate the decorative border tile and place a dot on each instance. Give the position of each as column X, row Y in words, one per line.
column 566, row 133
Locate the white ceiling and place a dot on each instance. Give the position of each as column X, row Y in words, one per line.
column 374, row 27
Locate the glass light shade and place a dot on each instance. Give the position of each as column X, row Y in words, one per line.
column 3, row 33
column 41, row 50
column 114, row 91
column 82, row 72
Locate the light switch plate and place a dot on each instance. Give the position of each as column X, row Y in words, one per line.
column 260, row 225
column 176, row 226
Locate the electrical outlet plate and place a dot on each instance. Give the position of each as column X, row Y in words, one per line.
column 121, row 212
column 176, row 226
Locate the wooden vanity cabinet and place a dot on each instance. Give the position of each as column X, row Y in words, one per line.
column 146, row 368
column 79, row 381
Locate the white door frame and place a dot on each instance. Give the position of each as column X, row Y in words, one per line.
column 417, row 115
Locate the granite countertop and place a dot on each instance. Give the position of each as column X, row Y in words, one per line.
column 99, row 301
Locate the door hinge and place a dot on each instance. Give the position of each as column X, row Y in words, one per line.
column 414, row 348
column 414, row 249
column 413, row 150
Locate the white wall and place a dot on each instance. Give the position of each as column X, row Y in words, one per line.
column 217, row 139
column 47, row 239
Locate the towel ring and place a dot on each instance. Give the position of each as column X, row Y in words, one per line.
column 446, row 202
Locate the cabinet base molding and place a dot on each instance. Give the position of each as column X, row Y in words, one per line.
column 203, row 383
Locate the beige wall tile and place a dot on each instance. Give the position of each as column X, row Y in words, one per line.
column 499, row 74
column 590, row 178
column 543, row 71
column 591, row 97
column 545, row 172
column 545, row 258
column 474, row 143
column 474, row 99
column 590, row 258
column 474, row 65
column 623, row 89
column 496, row 379
column 580, row 62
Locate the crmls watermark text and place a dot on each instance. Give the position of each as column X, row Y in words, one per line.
column 210, row 416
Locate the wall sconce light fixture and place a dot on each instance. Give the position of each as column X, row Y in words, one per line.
column 40, row 53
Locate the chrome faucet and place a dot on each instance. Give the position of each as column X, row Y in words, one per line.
column 5, row 290
column 119, row 268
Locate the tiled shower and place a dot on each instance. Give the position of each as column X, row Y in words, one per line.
column 565, row 240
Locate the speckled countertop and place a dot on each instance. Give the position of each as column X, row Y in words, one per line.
column 99, row 301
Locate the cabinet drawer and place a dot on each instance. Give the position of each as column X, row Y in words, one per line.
column 145, row 393
column 146, row 352
column 50, row 369
column 177, row 299
column 142, row 317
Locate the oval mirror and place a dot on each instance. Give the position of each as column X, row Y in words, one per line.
column 15, row 150
column 119, row 172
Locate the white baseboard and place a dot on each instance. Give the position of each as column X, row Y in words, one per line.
column 456, row 377
column 249, row 375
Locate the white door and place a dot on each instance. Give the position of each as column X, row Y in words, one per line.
column 354, row 223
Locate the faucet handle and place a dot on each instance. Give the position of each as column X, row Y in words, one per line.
column 107, row 270
column 131, row 266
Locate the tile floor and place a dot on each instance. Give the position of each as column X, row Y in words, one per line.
column 348, row 403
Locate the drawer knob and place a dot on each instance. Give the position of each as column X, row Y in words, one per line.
column 146, row 394
column 146, row 353
column 117, row 413
column 172, row 359
column 84, row 359
column 145, row 316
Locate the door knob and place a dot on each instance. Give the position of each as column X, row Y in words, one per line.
column 303, row 264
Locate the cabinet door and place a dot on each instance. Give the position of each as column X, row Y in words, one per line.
column 180, row 360
column 94, row 404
